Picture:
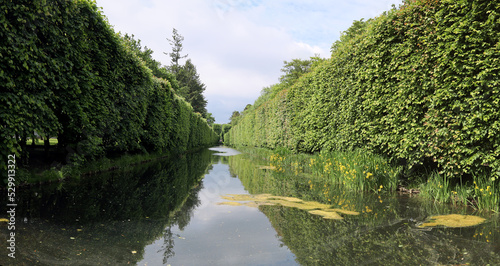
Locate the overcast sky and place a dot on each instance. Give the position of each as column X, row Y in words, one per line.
column 237, row 46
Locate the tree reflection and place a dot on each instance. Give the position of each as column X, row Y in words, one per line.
column 113, row 213
column 168, row 245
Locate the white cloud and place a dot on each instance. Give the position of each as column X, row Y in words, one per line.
column 239, row 46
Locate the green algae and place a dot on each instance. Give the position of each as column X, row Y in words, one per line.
column 453, row 220
column 313, row 207
column 327, row 214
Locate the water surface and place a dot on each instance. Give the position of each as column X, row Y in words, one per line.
column 168, row 212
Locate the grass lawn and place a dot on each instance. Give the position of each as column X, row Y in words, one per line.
column 53, row 141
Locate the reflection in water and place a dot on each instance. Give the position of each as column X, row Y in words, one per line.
column 224, row 151
column 221, row 235
column 108, row 218
column 386, row 232
column 171, row 212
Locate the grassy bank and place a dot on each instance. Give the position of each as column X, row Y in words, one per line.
column 362, row 171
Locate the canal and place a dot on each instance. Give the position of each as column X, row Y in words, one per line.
column 220, row 207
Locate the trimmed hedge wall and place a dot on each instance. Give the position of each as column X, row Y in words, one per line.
column 418, row 83
column 266, row 125
column 66, row 73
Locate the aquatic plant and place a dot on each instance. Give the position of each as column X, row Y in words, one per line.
column 481, row 192
column 453, row 220
column 325, row 210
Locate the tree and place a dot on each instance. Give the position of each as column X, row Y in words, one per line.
column 175, row 55
column 191, row 87
column 294, row 69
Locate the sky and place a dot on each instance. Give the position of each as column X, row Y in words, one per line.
column 238, row 46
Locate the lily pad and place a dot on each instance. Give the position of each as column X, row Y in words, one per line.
column 453, row 220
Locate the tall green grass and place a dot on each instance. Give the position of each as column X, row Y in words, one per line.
column 353, row 170
column 480, row 191
column 356, row 170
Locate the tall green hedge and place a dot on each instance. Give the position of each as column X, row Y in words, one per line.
column 266, row 125
column 66, row 73
column 418, row 83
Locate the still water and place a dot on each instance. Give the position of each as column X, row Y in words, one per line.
column 175, row 212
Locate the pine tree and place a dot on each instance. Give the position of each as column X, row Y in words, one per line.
column 175, row 55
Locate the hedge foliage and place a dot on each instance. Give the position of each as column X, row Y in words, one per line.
column 266, row 125
column 418, row 83
column 66, row 73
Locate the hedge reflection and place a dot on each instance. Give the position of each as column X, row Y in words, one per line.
column 386, row 233
column 111, row 217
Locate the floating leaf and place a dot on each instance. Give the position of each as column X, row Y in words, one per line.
column 4, row 220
